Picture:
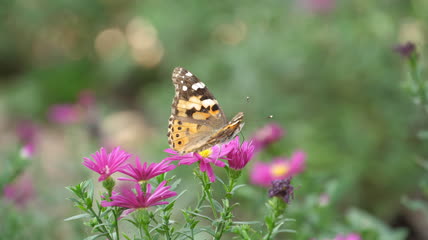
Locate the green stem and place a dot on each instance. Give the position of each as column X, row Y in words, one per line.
column 277, row 207
column 146, row 231
column 141, row 232
column 219, row 231
column 226, row 215
column 210, row 199
column 103, row 228
column 206, row 185
column 116, row 223
column 416, row 77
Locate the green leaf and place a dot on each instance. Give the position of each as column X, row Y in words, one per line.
column 237, row 187
column 95, row 236
column 248, row 222
column 201, row 216
column 218, row 207
column 84, row 215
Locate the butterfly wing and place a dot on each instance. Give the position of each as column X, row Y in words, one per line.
column 195, row 114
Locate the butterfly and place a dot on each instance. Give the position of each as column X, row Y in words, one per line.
column 197, row 122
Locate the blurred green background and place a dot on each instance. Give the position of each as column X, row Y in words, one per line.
column 324, row 69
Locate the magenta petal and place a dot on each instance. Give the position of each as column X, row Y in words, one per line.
column 106, row 164
column 127, row 212
column 260, row 174
column 297, row 164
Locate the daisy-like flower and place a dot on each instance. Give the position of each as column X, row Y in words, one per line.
column 282, row 189
column 107, row 164
column 134, row 199
column 239, row 155
column 144, row 172
column 351, row 236
column 64, row 113
column 264, row 173
column 267, row 135
column 205, row 158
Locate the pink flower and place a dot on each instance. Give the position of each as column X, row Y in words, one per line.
column 141, row 173
column 351, row 236
column 139, row 199
column 264, row 173
column 107, row 164
column 26, row 132
column 64, row 113
column 205, row 158
column 27, row 151
column 239, row 155
column 267, row 135
column 20, row 192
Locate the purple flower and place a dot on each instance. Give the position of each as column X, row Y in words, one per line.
column 133, row 200
column 351, row 236
column 264, row 173
column 239, row 155
column 142, row 172
column 205, row 158
column 20, row 192
column 64, row 113
column 282, row 189
column 406, row 50
column 107, row 164
column 267, row 135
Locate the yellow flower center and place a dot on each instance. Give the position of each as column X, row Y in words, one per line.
column 141, row 182
column 206, row 153
column 279, row 170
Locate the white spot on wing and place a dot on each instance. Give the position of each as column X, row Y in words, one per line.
column 198, row 85
column 184, row 88
column 208, row 102
column 189, row 74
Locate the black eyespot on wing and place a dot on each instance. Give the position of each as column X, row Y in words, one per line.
column 214, row 107
column 190, row 112
column 179, row 123
column 179, row 128
column 179, row 142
